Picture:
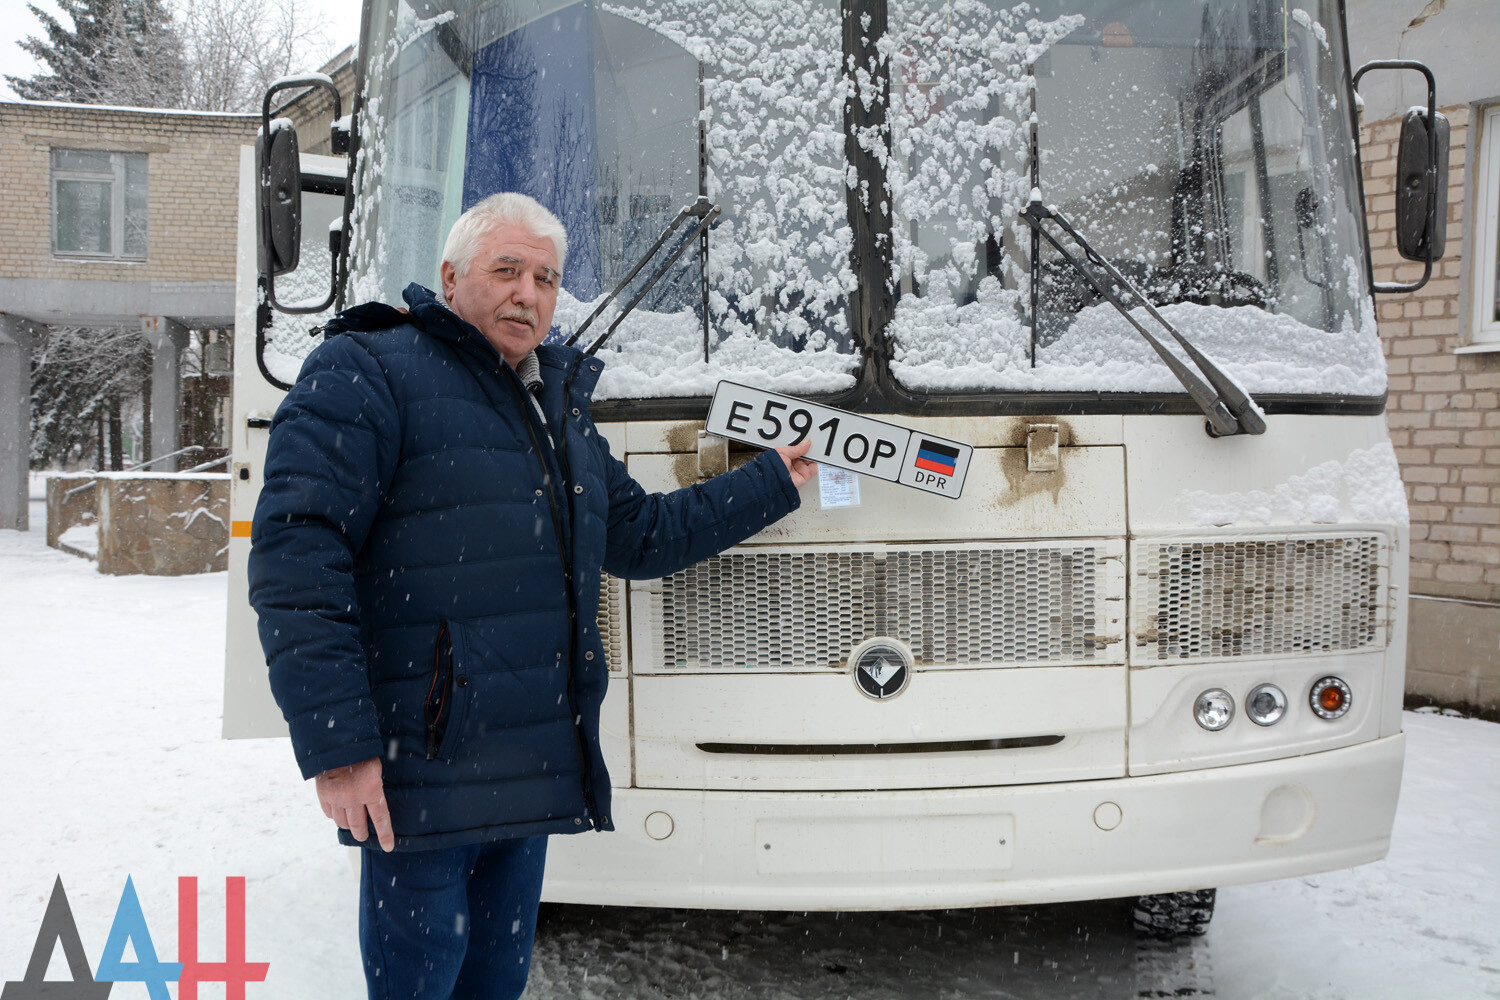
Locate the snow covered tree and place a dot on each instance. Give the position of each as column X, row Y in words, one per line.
column 81, row 379
column 220, row 56
column 126, row 52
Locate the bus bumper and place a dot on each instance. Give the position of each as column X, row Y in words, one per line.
column 987, row 846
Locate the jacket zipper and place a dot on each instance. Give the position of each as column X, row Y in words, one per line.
column 560, row 451
column 440, row 685
column 562, row 463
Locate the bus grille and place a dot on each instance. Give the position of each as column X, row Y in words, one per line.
column 954, row 606
column 1264, row 597
column 611, row 621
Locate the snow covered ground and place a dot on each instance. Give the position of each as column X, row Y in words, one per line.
column 110, row 704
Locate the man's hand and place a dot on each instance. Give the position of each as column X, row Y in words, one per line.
column 348, row 793
column 802, row 469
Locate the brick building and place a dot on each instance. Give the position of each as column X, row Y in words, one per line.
column 113, row 217
column 312, row 110
column 1442, row 343
column 123, row 217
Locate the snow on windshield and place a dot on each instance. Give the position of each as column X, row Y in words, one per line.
column 959, row 175
column 656, row 355
column 779, row 272
column 979, row 346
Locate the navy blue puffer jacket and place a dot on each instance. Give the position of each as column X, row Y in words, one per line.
column 425, row 564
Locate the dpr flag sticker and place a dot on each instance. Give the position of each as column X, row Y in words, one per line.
column 935, row 457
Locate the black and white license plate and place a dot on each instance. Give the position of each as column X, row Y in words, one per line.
column 839, row 438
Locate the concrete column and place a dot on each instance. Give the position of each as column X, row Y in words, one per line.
column 167, row 338
column 17, row 337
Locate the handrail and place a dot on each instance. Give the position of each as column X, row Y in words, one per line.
column 160, row 458
column 206, row 465
column 170, row 454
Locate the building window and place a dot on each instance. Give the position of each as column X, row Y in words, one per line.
column 1486, row 287
column 99, row 204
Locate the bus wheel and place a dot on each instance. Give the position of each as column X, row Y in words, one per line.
column 1174, row 914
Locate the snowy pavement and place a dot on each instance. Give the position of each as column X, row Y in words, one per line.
column 110, row 703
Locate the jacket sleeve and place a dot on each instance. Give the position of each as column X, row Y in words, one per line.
column 331, row 454
column 653, row 535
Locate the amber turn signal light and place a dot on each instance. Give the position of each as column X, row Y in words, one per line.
column 1329, row 698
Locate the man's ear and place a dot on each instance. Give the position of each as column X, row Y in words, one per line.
column 449, row 277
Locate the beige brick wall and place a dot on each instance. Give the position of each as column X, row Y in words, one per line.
column 1444, row 408
column 193, row 180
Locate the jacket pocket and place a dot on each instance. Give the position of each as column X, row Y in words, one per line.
column 446, row 707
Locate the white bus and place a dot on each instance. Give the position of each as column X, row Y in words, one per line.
column 1156, row 644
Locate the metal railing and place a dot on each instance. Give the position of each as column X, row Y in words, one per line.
column 160, row 458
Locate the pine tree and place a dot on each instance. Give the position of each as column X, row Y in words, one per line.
column 125, row 52
column 221, row 55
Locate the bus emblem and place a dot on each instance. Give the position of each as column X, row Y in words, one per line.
column 881, row 671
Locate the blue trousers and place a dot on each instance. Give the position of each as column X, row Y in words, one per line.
column 453, row 923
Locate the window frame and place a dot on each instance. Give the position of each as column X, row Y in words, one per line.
column 1484, row 275
column 116, row 177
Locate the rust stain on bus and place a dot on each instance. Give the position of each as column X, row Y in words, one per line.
column 683, row 436
column 1022, row 482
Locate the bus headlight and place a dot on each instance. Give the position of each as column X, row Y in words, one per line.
column 1329, row 697
column 1213, row 709
column 1266, row 704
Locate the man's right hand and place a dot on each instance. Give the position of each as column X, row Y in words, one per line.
column 347, row 794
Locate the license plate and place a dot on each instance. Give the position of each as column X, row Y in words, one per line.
column 839, row 438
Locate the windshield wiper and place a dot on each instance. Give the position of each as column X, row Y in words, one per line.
column 1229, row 408
column 702, row 210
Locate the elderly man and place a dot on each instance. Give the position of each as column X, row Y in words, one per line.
column 426, row 554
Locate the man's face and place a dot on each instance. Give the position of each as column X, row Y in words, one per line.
column 510, row 291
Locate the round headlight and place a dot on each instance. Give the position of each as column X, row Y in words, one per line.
column 1329, row 697
column 1265, row 705
column 1213, row 709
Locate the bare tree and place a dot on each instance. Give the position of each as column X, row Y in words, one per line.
column 235, row 49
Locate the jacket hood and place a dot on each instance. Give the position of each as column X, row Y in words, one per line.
column 424, row 309
column 431, row 315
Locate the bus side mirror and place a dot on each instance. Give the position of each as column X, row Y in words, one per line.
column 279, row 169
column 1421, row 178
column 1422, row 187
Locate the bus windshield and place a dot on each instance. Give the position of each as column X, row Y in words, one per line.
column 870, row 169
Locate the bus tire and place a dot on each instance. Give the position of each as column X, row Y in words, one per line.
column 1174, row 914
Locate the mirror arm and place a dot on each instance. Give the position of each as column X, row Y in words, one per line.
column 290, row 83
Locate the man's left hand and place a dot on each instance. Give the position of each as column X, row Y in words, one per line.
column 802, row 469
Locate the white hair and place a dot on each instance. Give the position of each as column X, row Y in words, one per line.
column 497, row 210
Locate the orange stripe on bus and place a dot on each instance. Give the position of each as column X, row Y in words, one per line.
column 239, row 529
